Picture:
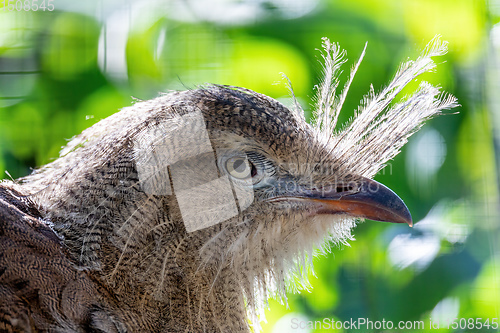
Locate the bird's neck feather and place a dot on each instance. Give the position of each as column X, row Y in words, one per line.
column 137, row 246
column 132, row 242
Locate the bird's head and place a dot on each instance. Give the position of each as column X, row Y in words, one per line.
column 250, row 177
column 265, row 189
column 222, row 181
column 258, row 188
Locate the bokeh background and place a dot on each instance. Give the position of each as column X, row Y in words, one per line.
column 68, row 64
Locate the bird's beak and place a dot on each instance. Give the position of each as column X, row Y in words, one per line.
column 364, row 198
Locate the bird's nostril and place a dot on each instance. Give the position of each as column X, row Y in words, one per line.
column 344, row 188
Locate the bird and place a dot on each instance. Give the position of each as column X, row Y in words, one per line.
column 185, row 213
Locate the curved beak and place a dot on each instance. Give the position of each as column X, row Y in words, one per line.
column 364, row 198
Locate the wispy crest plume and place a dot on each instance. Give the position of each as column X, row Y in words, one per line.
column 380, row 127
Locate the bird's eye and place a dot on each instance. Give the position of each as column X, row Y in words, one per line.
column 240, row 167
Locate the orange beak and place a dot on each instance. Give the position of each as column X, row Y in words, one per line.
column 367, row 199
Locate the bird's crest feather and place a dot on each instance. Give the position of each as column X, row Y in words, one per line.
column 380, row 126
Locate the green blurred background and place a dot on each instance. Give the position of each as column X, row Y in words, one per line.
column 62, row 70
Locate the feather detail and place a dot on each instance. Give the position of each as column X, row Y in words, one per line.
column 334, row 58
column 338, row 106
column 297, row 108
column 378, row 130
